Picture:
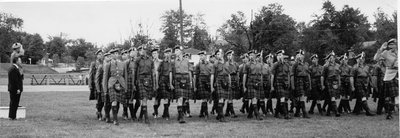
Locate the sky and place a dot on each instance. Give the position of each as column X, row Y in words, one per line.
column 103, row 22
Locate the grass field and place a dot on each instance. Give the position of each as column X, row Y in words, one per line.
column 70, row 114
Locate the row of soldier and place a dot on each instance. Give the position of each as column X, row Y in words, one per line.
column 133, row 77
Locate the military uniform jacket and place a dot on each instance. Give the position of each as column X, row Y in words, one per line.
column 114, row 72
column 129, row 76
column 99, row 78
column 280, row 70
column 331, row 71
column 92, row 73
column 300, row 69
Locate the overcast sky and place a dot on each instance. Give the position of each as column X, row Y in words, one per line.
column 102, row 22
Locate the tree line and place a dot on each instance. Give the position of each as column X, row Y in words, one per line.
column 337, row 29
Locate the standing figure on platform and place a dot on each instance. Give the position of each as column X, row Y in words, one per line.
column 15, row 86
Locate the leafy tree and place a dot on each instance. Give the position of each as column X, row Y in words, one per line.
column 34, row 47
column 80, row 62
column 56, row 60
column 79, row 48
column 8, row 26
column 56, row 45
column 386, row 26
column 171, row 28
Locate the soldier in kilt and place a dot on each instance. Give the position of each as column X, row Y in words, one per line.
column 186, row 105
column 94, row 82
column 280, row 78
column 214, row 98
column 130, row 68
column 388, row 52
column 105, row 96
column 267, row 82
column 245, row 105
column 221, row 80
column 316, row 93
column 331, row 78
column 345, row 73
column 301, row 83
column 183, row 80
column 165, row 82
column 377, row 77
column 144, row 72
column 233, row 68
column 157, row 61
column 125, row 58
column 114, row 82
column 252, row 85
column 202, row 74
column 261, row 100
column 360, row 83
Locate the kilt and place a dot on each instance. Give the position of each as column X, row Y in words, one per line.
column 301, row 86
column 203, row 87
column 99, row 95
column 223, row 91
column 330, row 90
column 345, row 88
column 267, row 86
column 129, row 89
column 361, row 86
column 235, row 88
column 117, row 96
column 182, row 86
column 316, row 92
column 281, row 87
column 391, row 88
column 254, row 87
column 105, row 98
column 145, row 87
column 164, row 92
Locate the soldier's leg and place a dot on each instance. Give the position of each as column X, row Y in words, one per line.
column 242, row 109
column 303, row 106
column 319, row 103
column 214, row 107
column 341, row 105
column 99, row 106
column 278, row 106
column 155, row 107
column 297, row 105
column 231, row 109
column 125, row 110
column 114, row 105
column 366, row 107
column 165, row 114
column 131, row 109
column 293, row 104
column 380, row 106
column 220, row 113
column 269, row 106
column 187, row 108
column 357, row 109
column 180, row 110
column 262, row 106
column 389, row 103
column 203, row 110
column 143, row 112
column 284, row 107
column 326, row 103
column 107, row 109
column 251, row 108
column 334, row 106
column 136, row 108
column 255, row 108
column 313, row 103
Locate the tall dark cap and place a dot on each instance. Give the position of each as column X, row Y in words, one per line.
column 270, row 55
column 343, row 57
column 178, row 47
column 98, row 51
column 329, row 55
column 361, row 55
column 300, row 51
column 216, row 52
column 16, row 45
column 280, row 51
column 107, row 54
column 115, row 50
column 167, row 50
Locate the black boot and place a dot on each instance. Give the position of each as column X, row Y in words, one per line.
column 285, row 111
column 269, row 106
column 115, row 115
column 250, row 112
column 277, row 110
column 187, row 110
column 180, row 115
column 390, row 109
column 293, row 104
column 155, row 107
column 125, row 111
column 257, row 113
column 202, row 111
column 220, row 116
column 303, row 109
column 341, row 106
column 166, row 112
column 328, row 111
column 320, row 109
column 146, row 117
column 311, row 111
column 357, row 107
column 298, row 108
column 214, row 107
column 334, row 109
column 227, row 111
column 247, row 106
column 347, row 106
column 99, row 107
column 130, row 107
column 107, row 110
column 380, row 106
column 325, row 105
column 233, row 115
column 366, row 108
column 263, row 108
column 243, row 107
column 137, row 105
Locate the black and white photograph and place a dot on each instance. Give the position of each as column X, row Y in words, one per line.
column 199, row 68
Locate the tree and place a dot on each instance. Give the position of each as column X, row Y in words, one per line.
column 34, row 47
column 170, row 28
column 67, row 59
column 200, row 39
column 56, row 45
column 386, row 26
column 80, row 62
column 236, row 33
column 8, row 26
column 56, row 60
column 79, row 48
column 273, row 30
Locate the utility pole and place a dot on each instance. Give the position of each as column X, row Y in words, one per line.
column 181, row 16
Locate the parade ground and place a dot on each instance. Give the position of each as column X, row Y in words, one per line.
column 65, row 111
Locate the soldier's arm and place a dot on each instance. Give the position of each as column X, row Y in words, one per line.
column 291, row 75
column 97, row 78
column 105, row 77
column 91, row 75
column 156, row 75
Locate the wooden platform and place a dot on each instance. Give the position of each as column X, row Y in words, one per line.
column 21, row 112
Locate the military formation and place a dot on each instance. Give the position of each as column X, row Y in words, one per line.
column 134, row 77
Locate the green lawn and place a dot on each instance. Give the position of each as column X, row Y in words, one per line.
column 67, row 114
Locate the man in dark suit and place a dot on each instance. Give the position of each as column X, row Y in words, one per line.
column 15, row 88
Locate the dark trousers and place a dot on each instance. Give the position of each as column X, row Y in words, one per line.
column 14, row 102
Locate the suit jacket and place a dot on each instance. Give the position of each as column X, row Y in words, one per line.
column 14, row 79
